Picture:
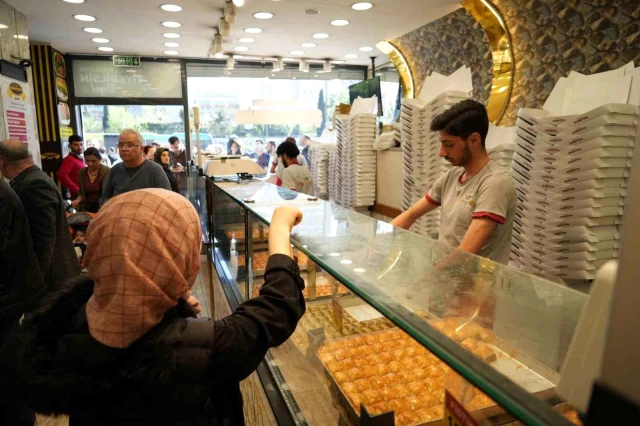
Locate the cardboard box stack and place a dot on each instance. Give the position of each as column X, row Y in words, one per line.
column 356, row 160
column 570, row 172
column 319, row 166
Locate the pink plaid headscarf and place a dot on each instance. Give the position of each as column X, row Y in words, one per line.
column 143, row 253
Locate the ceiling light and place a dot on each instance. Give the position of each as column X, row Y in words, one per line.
column 21, row 37
column 246, row 40
column 105, row 49
column 85, row 18
column 302, row 66
column 238, row 3
column 297, row 52
column 100, row 40
column 230, row 64
column 230, row 13
column 171, row 35
column 216, row 47
column 340, row 22
column 346, row 262
column 3, row 26
column 219, row 55
column 326, row 67
column 338, row 62
column 366, row 49
column 93, row 30
column 351, row 56
column 253, row 30
column 170, row 52
column 224, row 27
column 308, row 45
column 241, row 49
column 320, row 35
column 171, row 24
column 171, row 7
column 361, row 6
column 74, row 1
column 263, row 15
column 170, row 44
column 335, row 254
column 359, row 270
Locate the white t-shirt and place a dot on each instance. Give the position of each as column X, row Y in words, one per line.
column 298, row 178
column 490, row 193
column 280, row 166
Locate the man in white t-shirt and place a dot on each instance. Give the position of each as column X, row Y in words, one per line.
column 477, row 200
column 295, row 176
column 277, row 166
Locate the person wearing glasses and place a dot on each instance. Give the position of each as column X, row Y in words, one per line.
column 135, row 172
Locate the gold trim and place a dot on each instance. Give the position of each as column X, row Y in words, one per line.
column 400, row 62
column 502, row 52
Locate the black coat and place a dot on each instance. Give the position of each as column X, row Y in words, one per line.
column 21, row 283
column 47, row 216
column 183, row 371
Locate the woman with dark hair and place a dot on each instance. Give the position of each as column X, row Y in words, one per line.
column 149, row 152
column 163, row 157
column 233, row 147
column 91, row 181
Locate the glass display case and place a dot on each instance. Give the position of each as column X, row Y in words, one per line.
column 399, row 329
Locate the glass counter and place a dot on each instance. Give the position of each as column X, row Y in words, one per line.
column 399, row 329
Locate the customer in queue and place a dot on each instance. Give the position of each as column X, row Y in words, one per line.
column 135, row 172
column 134, row 351
column 278, row 166
column 163, row 158
column 71, row 166
column 149, row 152
column 46, row 212
column 178, row 162
column 295, row 176
column 91, row 180
column 477, row 199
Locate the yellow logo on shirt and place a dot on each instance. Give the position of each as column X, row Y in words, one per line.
column 470, row 200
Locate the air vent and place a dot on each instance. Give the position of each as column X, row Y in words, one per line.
column 312, row 12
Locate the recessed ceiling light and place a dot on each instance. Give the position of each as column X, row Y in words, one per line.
column 241, row 49
column 171, row 24
column 171, row 44
column 105, row 49
column 362, row 6
column 93, row 30
column 338, row 62
column 253, row 30
column 263, row 15
column 74, row 1
column 297, row 52
column 170, row 52
column 366, row 49
column 238, row 3
column 3, row 26
column 351, row 56
column 246, row 40
column 308, row 45
column 85, row 18
column 359, row 270
column 171, row 7
column 340, row 22
column 100, row 40
column 171, row 35
column 320, row 35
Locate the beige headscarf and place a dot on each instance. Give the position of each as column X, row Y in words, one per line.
column 143, row 252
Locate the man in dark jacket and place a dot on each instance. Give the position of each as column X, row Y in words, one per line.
column 46, row 212
column 21, row 284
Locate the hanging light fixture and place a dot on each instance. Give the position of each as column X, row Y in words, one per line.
column 278, row 65
column 238, row 3
column 230, row 12
column 303, row 66
column 224, row 27
column 231, row 63
column 327, row 66
column 216, row 45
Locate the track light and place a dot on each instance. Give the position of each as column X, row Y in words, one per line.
column 230, row 12
column 224, row 27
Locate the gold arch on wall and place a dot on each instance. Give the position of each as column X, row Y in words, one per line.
column 400, row 62
column 502, row 52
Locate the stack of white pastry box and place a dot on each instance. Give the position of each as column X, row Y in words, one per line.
column 422, row 165
column 500, row 145
column 570, row 174
column 319, row 166
column 356, row 160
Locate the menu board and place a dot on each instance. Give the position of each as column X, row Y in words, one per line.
column 17, row 108
column 101, row 79
column 62, row 93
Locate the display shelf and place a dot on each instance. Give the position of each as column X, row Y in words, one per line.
column 400, row 279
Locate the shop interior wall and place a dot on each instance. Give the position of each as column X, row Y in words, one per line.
column 550, row 39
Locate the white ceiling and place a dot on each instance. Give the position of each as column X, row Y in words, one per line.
column 134, row 26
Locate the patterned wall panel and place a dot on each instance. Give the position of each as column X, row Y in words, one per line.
column 550, row 39
column 447, row 44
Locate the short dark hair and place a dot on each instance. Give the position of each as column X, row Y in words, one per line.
column 93, row 151
column 288, row 148
column 463, row 119
column 272, row 143
column 75, row 138
column 146, row 149
column 174, row 139
column 290, row 139
column 156, row 144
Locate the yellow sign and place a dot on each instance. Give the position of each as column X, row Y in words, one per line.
column 65, row 132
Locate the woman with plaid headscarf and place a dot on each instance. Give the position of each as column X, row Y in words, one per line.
column 125, row 346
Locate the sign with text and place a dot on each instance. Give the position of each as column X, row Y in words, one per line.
column 455, row 414
column 18, row 114
column 100, row 79
column 126, row 61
